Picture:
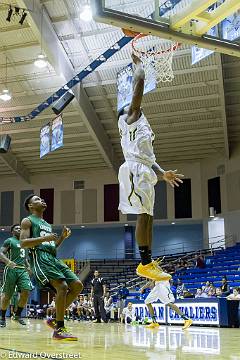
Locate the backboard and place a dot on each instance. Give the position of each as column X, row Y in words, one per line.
column 185, row 21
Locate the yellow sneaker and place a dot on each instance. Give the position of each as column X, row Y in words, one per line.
column 187, row 323
column 153, row 325
column 151, row 271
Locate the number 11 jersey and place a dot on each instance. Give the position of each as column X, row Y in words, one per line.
column 137, row 140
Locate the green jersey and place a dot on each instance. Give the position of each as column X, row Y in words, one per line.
column 41, row 228
column 15, row 253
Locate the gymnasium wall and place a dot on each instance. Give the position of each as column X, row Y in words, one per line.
column 108, row 243
column 91, row 205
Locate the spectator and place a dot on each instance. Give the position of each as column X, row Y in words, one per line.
column 235, row 295
column 51, row 308
column 98, row 292
column 204, row 293
column 225, row 287
column 108, row 302
column 87, row 313
column 206, row 287
column 198, row 293
column 212, row 292
column 180, row 289
column 128, row 314
column 80, row 309
column 219, row 292
column 199, row 261
column 173, row 288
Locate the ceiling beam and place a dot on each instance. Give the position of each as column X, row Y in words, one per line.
column 62, row 65
column 223, row 105
column 16, row 166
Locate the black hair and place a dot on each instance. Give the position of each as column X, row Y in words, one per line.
column 13, row 226
column 27, row 201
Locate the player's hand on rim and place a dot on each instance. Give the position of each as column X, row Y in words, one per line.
column 173, row 178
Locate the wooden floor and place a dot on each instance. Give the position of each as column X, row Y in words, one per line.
column 120, row 342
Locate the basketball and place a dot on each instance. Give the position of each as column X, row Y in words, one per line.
column 130, row 33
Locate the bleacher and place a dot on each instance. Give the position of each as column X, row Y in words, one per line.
column 223, row 263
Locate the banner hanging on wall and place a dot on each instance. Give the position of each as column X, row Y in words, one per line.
column 44, row 140
column 57, row 133
column 231, row 27
column 125, row 86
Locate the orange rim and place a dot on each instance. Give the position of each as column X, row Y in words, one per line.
column 139, row 36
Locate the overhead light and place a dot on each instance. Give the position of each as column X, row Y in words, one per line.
column 41, row 61
column 126, row 225
column 2, row 229
column 24, row 15
column 5, row 95
column 10, row 12
column 173, row 223
column 86, row 13
column 82, row 226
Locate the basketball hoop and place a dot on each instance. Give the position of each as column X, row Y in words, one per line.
column 156, row 55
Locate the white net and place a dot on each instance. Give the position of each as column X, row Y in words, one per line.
column 156, row 56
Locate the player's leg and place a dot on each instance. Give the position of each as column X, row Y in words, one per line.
column 74, row 289
column 151, row 298
column 75, row 286
column 24, row 294
column 25, row 286
column 8, row 288
column 60, row 332
column 5, row 301
column 187, row 322
column 150, row 235
column 142, row 237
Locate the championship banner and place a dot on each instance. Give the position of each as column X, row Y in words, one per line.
column 57, row 133
column 44, row 140
column 231, row 27
column 125, row 86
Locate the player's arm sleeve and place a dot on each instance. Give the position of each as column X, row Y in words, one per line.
column 158, row 168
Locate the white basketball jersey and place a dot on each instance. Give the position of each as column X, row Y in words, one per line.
column 137, row 140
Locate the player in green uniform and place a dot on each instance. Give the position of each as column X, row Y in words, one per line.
column 15, row 275
column 37, row 236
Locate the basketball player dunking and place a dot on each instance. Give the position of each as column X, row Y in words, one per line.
column 15, row 275
column 139, row 174
column 36, row 234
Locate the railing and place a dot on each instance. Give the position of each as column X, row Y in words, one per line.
column 221, row 241
column 190, row 256
column 119, row 254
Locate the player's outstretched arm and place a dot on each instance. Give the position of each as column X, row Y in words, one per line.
column 25, row 236
column 139, row 77
column 173, row 178
column 66, row 232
